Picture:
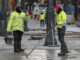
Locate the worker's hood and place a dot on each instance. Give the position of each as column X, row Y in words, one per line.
column 18, row 9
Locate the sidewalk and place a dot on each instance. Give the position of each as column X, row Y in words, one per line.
column 72, row 39
column 38, row 55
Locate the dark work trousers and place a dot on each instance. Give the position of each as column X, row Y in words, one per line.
column 61, row 35
column 17, row 39
column 17, row 35
column 35, row 17
column 42, row 22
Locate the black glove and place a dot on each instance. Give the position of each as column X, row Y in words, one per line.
column 9, row 33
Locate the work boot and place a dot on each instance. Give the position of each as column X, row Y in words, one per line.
column 19, row 46
column 61, row 54
column 16, row 47
column 64, row 48
column 66, row 51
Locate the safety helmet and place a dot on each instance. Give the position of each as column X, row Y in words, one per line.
column 57, row 6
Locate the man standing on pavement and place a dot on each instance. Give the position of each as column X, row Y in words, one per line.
column 61, row 27
column 16, row 24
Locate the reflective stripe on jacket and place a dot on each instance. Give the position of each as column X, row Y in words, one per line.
column 16, row 21
column 61, row 19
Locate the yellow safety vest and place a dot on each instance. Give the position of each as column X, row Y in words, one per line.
column 61, row 19
column 16, row 21
column 42, row 16
column 36, row 13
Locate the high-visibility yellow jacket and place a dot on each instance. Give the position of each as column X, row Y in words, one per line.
column 61, row 19
column 16, row 21
column 42, row 16
column 35, row 12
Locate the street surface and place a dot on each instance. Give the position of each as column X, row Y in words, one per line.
column 41, row 52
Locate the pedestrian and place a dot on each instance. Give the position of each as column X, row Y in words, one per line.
column 61, row 27
column 16, row 24
column 36, row 14
column 42, row 19
column 30, row 13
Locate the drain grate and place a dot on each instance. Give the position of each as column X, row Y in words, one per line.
column 35, row 38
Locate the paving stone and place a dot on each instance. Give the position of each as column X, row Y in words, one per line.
column 38, row 55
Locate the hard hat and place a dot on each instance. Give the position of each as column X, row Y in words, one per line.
column 57, row 6
column 43, row 11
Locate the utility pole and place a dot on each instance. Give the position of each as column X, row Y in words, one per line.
column 76, row 13
column 50, row 24
column 54, row 2
column 4, row 21
column 23, row 5
column 76, row 10
column 24, row 9
column 30, row 4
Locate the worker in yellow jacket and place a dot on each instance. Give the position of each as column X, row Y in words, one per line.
column 16, row 24
column 61, row 26
column 36, row 14
column 42, row 19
